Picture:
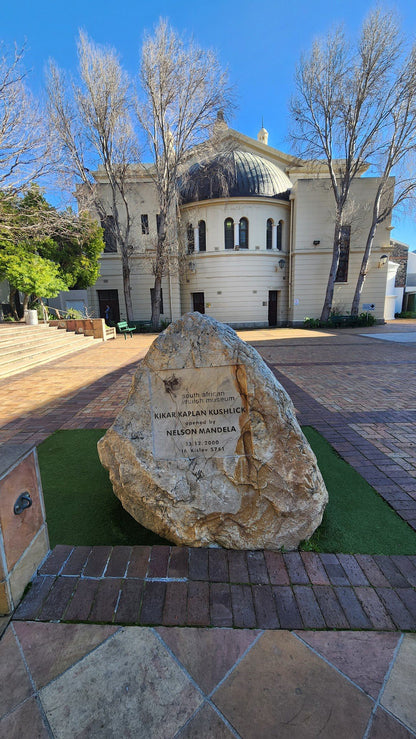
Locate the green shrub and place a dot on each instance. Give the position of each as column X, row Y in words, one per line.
column 312, row 323
column 339, row 320
column 366, row 319
column 74, row 313
column 405, row 314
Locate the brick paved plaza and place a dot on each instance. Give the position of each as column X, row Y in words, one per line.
column 295, row 645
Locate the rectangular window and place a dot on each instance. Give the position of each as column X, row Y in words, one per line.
column 158, row 222
column 109, row 236
column 344, row 254
column 152, row 291
column 145, row 223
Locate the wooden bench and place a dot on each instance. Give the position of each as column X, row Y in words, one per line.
column 109, row 332
column 124, row 328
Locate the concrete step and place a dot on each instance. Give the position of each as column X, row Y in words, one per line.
column 29, row 346
column 42, row 347
column 7, row 330
column 25, row 363
column 34, row 343
column 28, row 340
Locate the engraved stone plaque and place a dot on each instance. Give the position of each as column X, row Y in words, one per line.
column 198, row 412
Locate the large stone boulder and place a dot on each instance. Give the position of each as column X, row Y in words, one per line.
column 207, row 450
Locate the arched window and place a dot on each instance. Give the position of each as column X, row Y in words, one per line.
column 269, row 233
column 229, row 233
column 190, row 237
column 202, row 236
column 279, row 235
column 243, row 233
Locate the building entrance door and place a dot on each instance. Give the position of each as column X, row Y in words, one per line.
column 109, row 299
column 198, row 301
column 273, row 307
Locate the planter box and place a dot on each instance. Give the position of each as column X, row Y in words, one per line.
column 88, row 326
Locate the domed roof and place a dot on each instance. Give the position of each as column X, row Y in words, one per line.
column 235, row 174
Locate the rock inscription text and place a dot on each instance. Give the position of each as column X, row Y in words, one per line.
column 197, row 412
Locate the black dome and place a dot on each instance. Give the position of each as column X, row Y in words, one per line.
column 236, row 174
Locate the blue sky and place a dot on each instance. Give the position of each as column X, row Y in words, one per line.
column 260, row 43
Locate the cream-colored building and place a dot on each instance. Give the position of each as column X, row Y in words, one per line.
column 259, row 256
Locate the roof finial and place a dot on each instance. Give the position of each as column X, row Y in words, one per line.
column 263, row 135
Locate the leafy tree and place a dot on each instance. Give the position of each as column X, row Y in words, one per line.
column 76, row 257
column 62, row 246
column 30, row 273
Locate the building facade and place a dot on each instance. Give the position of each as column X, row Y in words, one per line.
column 256, row 255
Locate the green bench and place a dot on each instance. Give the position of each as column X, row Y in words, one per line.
column 338, row 321
column 124, row 328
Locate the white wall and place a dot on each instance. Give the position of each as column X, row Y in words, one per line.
column 236, row 285
column 142, row 280
column 313, row 221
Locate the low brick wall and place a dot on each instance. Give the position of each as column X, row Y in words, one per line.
column 24, row 539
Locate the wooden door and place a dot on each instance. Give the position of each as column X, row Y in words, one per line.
column 109, row 298
column 198, row 301
column 273, row 307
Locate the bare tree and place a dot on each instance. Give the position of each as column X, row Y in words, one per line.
column 23, row 140
column 92, row 121
column 396, row 156
column 183, row 88
column 341, row 108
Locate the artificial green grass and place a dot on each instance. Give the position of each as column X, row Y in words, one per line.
column 356, row 520
column 81, row 508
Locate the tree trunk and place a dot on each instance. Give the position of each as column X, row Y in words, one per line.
column 363, row 270
column 156, row 303
column 329, row 296
column 159, row 269
column 126, row 285
column 13, row 307
column 366, row 256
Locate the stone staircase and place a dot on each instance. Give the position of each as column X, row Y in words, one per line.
column 24, row 347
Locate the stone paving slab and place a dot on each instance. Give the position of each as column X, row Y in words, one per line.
column 64, row 680
column 252, row 589
column 402, row 338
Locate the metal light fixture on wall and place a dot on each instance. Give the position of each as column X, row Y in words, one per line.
column 383, row 260
column 281, row 263
column 316, row 242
